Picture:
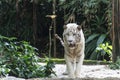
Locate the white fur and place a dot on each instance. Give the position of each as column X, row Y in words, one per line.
column 74, row 55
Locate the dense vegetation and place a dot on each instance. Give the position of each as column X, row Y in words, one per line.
column 20, row 59
column 26, row 20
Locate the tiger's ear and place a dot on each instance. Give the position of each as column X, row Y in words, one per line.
column 79, row 27
column 65, row 27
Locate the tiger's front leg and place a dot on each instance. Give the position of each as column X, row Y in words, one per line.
column 70, row 67
column 79, row 65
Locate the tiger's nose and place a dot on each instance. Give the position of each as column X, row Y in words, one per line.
column 70, row 41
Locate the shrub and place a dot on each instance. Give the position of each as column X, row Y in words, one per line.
column 20, row 59
column 92, row 43
column 104, row 49
column 95, row 23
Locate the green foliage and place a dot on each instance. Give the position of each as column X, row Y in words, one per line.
column 86, row 62
column 95, row 18
column 20, row 59
column 99, row 36
column 3, row 70
column 115, row 65
column 93, row 15
column 104, row 49
column 48, row 68
column 85, row 8
column 91, row 44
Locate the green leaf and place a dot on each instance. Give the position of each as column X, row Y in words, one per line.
column 93, row 56
column 93, row 36
column 90, row 48
column 110, row 47
column 101, row 39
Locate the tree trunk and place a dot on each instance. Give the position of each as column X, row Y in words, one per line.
column 54, row 25
column 34, row 23
column 17, row 17
column 116, row 29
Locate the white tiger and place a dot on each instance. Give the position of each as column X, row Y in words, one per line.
column 74, row 45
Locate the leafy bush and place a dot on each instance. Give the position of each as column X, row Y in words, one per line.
column 3, row 70
column 93, row 15
column 115, row 65
column 104, row 49
column 96, row 23
column 20, row 59
column 91, row 44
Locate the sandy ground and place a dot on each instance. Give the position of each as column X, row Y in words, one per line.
column 96, row 71
column 88, row 71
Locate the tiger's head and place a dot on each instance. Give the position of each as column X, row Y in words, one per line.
column 71, row 35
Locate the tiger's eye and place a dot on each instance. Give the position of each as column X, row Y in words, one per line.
column 67, row 34
column 74, row 34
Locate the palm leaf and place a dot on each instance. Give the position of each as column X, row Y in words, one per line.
column 93, row 55
column 101, row 39
column 90, row 47
column 92, row 37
